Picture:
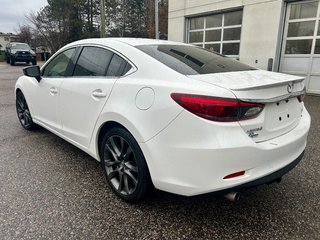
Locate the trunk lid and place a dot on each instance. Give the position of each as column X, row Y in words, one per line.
column 282, row 111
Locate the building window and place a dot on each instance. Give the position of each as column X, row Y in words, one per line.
column 301, row 29
column 6, row 39
column 219, row 32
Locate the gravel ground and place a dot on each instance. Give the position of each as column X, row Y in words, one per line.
column 52, row 190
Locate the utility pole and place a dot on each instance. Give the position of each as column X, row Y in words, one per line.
column 156, row 18
column 103, row 19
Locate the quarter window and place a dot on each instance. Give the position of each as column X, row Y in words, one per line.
column 59, row 65
column 118, row 66
column 93, row 61
column 219, row 32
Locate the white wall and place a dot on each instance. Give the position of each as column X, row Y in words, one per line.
column 260, row 25
column 3, row 43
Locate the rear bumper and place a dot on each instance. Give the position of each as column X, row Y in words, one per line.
column 192, row 156
column 263, row 180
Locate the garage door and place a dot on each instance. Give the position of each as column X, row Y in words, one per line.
column 301, row 43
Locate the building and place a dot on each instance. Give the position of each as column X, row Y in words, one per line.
column 6, row 38
column 277, row 35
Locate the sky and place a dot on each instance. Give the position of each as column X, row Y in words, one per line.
column 12, row 12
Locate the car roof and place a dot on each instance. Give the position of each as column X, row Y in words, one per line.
column 129, row 41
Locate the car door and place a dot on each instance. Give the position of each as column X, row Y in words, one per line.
column 48, row 92
column 86, row 92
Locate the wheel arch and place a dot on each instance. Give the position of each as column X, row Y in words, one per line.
column 18, row 89
column 106, row 126
column 103, row 130
column 28, row 87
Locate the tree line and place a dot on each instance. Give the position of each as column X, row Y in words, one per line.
column 64, row 21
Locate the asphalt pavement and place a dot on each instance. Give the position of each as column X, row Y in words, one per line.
column 50, row 189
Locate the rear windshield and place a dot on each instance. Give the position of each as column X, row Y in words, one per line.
column 191, row 60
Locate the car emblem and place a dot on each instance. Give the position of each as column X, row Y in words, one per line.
column 290, row 87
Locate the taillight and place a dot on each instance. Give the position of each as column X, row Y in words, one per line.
column 216, row 108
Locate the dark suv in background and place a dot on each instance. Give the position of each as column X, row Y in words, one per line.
column 20, row 52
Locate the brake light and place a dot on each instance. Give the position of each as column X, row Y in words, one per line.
column 216, row 108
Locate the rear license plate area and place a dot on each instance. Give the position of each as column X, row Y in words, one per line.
column 282, row 113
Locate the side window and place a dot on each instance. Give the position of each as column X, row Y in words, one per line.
column 118, row 66
column 58, row 66
column 93, row 61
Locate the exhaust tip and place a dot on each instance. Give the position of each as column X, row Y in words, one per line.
column 233, row 196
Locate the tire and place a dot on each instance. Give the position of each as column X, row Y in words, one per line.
column 27, row 62
column 34, row 62
column 7, row 60
column 124, row 165
column 12, row 62
column 23, row 112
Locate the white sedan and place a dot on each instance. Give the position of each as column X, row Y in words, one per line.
column 169, row 115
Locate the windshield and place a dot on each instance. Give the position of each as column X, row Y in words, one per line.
column 191, row 60
column 21, row 46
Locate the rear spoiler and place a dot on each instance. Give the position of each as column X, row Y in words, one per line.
column 277, row 99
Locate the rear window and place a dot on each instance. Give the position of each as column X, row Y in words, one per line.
column 191, row 60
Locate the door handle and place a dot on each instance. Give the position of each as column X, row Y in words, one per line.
column 53, row 90
column 98, row 93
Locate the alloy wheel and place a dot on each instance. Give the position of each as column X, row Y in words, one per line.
column 120, row 165
column 23, row 111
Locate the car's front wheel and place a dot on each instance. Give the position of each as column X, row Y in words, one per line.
column 124, row 165
column 12, row 62
column 23, row 112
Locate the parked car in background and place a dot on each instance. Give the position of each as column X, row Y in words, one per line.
column 20, row 52
column 187, row 120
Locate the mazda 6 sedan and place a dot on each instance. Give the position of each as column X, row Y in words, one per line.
column 168, row 115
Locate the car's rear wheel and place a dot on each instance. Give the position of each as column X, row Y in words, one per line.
column 12, row 62
column 124, row 165
column 23, row 112
column 34, row 62
column 8, row 60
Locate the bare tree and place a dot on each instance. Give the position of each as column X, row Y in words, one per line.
column 64, row 21
column 25, row 33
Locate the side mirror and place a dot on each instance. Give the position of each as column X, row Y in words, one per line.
column 33, row 71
